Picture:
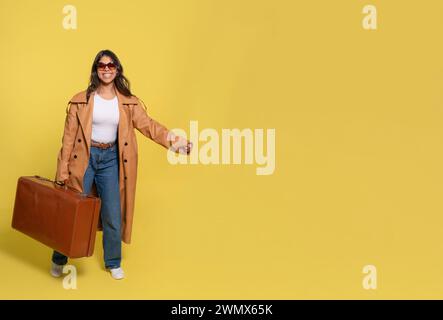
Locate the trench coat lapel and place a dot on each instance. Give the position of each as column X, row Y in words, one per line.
column 84, row 115
column 122, row 123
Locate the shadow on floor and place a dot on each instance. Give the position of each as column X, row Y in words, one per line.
column 24, row 249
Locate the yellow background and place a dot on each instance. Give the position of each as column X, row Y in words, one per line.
column 359, row 160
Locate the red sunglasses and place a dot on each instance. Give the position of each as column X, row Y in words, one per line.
column 102, row 66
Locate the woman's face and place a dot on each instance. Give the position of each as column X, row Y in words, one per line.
column 106, row 70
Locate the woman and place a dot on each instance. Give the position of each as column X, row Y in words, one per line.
column 99, row 153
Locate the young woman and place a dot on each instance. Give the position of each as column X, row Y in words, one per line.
column 99, row 153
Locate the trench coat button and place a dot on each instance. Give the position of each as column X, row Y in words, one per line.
column 126, row 178
column 79, row 140
column 75, row 156
column 126, row 160
column 126, row 143
column 69, row 172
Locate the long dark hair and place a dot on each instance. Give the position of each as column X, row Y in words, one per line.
column 120, row 81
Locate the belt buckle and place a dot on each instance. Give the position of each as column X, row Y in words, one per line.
column 99, row 144
column 103, row 145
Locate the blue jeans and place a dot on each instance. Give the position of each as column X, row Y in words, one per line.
column 103, row 168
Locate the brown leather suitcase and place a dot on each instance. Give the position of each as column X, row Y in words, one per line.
column 57, row 216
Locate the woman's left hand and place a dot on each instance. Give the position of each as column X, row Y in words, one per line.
column 182, row 145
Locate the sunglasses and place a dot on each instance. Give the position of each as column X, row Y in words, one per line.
column 102, row 66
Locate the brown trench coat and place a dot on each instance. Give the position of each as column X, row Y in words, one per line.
column 73, row 157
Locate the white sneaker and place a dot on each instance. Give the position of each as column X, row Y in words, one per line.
column 117, row 273
column 56, row 270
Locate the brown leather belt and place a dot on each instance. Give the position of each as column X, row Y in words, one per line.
column 101, row 145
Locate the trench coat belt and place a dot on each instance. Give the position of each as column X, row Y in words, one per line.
column 102, row 145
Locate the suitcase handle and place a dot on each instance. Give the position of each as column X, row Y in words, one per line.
column 53, row 181
column 64, row 186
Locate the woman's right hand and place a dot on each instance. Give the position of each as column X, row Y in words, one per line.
column 62, row 183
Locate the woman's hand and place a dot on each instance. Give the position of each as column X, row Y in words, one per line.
column 61, row 183
column 181, row 145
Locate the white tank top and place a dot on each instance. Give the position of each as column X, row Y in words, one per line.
column 105, row 119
